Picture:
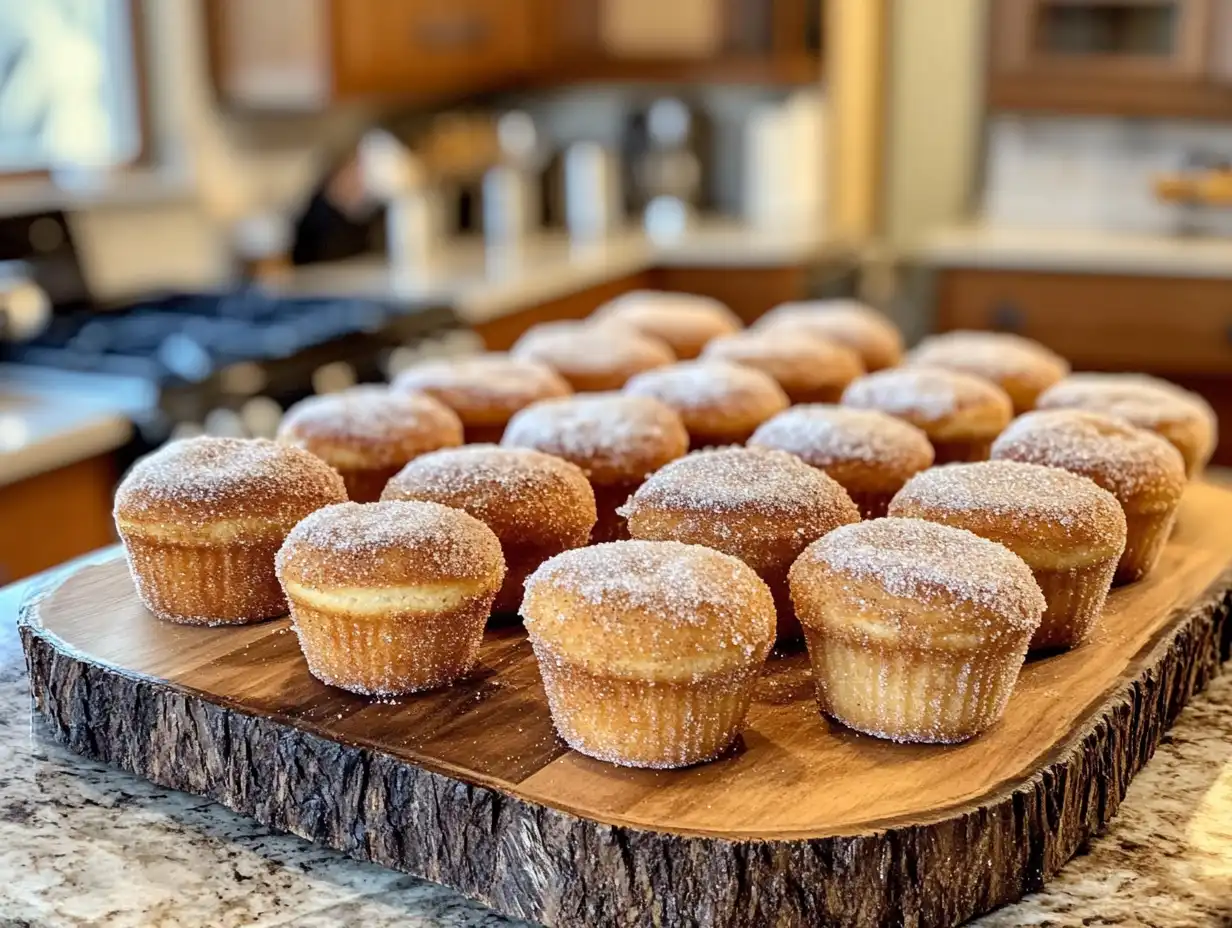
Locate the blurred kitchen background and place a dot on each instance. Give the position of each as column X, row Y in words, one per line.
column 212, row 208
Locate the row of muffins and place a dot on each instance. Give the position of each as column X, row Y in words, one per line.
column 615, row 437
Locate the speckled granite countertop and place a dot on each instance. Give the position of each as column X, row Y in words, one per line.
column 82, row 844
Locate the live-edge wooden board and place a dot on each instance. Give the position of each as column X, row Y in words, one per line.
column 805, row 823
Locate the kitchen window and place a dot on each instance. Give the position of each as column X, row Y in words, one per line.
column 69, row 85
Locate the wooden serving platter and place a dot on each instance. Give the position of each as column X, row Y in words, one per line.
column 805, row 823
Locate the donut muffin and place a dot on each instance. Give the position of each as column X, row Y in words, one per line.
column 1021, row 367
column 538, row 505
column 684, row 320
column 916, row 631
column 869, row 333
column 616, row 440
column 1070, row 532
column 960, row 414
column 484, row 390
column 869, row 453
column 592, row 358
column 1182, row 417
column 719, row 403
column 808, row 368
column 201, row 520
column 367, row 434
column 763, row 507
column 649, row 651
column 1143, row 471
column 390, row 598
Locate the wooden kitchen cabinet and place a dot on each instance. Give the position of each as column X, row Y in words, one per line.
column 1179, row 328
column 1167, row 58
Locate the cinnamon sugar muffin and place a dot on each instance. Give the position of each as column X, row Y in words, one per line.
column 390, row 598
column 719, row 403
column 763, row 507
column 869, row 333
column 1021, row 367
column 1182, row 417
column 1143, row 471
column 960, row 414
column 616, row 440
column 368, row 433
column 649, row 651
column 810, row 369
column 484, row 390
column 537, row 504
column 916, row 631
column 869, row 453
column 592, row 358
column 685, row 321
column 202, row 518
column 1070, row 532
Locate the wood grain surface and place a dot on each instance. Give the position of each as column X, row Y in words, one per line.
column 804, row 822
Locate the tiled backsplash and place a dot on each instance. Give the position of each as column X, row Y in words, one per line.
column 1097, row 173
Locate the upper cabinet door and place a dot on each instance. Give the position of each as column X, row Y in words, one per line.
column 1161, row 39
column 428, row 47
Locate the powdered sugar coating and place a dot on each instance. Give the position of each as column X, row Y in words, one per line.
column 389, row 544
column 851, row 323
column 799, row 361
column 926, row 395
column 718, row 402
column 828, row 436
column 613, row 438
column 993, row 355
column 772, row 484
column 379, row 426
column 525, row 496
column 197, row 482
column 1138, row 467
column 1018, row 504
column 1142, row 400
column 484, row 388
column 686, row 321
column 932, row 564
column 593, row 357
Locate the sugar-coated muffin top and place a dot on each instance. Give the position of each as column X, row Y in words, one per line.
column 713, row 397
column 200, row 482
column 796, row 360
column 993, row 355
column 944, row 403
column 849, row 322
column 593, row 357
column 686, row 321
column 484, row 389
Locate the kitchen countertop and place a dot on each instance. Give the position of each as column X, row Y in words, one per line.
column 51, row 418
column 482, row 284
column 82, row 844
column 1005, row 248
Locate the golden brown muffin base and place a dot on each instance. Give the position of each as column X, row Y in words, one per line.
column 872, row 505
column 829, row 395
column 218, row 584
column 1144, row 543
column 390, row 654
column 365, row 485
column 611, row 525
column 904, row 694
column 961, row 452
column 483, row 434
column 1075, row 600
column 700, row 441
column 520, row 563
column 636, row 723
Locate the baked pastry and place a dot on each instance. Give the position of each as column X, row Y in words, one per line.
column 1070, row 532
column 869, row 453
column 810, row 369
column 1143, row 471
column 848, row 322
column 1021, row 367
column 616, row 440
column 202, row 518
column 367, row 434
column 649, row 651
column 960, row 414
column 686, row 321
column 485, row 390
column 538, row 505
column 390, row 598
column 916, row 631
column 719, row 403
column 592, row 357
column 1179, row 415
column 763, row 507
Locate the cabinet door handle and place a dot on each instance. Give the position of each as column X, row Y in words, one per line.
column 453, row 33
column 1007, row 316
